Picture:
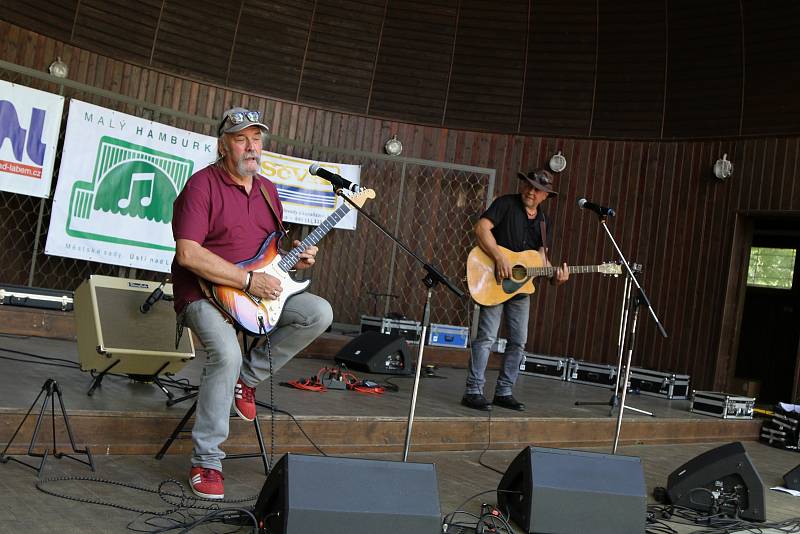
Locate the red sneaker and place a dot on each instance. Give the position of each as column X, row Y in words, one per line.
column 244, row 400
column 207, row 483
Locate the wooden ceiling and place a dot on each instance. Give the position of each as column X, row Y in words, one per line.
column 606, row 69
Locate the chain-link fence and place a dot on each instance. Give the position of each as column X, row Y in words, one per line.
column 430, row 206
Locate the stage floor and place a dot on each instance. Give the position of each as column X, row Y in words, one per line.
column 128, row 417
column 125, row 422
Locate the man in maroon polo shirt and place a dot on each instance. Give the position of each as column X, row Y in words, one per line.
column 219, row 219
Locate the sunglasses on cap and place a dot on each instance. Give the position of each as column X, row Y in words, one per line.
column 238, row 117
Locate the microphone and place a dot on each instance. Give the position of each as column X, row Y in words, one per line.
column 154, row 297
column 333, row 178
column 602, row 211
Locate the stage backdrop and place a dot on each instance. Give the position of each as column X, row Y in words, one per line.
column 120, row 174
column 29, row 123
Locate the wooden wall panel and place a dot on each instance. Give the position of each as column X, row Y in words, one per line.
column 486, row 76
column 560, row 68
column 772, row 67
column 674, row 217
column 341, row 53
column 704, row 90
column 413, row 68
column 117, row 28
column 609, row 68
column 270, row 47
column 631, row 51
column 209, row 53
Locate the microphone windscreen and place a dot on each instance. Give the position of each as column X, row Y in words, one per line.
column 581, row 202
column 314, row 168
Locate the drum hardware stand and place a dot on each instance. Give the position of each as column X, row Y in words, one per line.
column 431, row 280
column 51, row 387
column 630, row 311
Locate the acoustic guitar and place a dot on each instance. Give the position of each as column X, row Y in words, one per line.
column 526, row 265
column 259, row 316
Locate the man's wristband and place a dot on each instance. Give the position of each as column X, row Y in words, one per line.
column 248, row 281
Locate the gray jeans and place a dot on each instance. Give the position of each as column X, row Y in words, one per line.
column 516, row 314
column 305, row 316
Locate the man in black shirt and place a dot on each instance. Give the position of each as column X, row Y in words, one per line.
column 515, row 222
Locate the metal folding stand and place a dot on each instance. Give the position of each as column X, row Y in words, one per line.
column 50, row 387
column 630, row 312
column 432, row 278
column 180, row 428
column 614, row 401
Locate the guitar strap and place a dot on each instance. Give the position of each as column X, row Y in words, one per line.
column 543, row 230
column 272, row 207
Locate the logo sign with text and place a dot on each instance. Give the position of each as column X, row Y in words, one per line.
column 307, row 199
column 29, row 124
column 119, row 176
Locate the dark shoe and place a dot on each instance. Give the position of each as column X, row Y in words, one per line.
column 476, row 401
column 508, row 401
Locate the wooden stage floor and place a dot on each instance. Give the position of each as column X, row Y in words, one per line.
column 127, row 417
column 125, row 423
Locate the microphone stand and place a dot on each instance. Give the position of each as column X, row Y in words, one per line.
column 630, row 313
column 432, row 278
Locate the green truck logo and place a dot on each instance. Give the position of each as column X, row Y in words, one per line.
column 129, row 200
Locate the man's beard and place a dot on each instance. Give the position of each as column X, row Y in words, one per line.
column 242, row 164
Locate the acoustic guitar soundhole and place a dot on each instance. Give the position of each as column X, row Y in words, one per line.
column 519, row 273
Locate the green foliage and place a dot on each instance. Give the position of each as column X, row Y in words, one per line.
column 771, row 267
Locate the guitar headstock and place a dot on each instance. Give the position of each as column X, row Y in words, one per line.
column 360, row 198
column 610, row 268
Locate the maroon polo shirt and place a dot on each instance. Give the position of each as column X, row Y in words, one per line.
column 216, row 212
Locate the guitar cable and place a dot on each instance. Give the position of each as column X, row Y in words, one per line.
column 270, row 458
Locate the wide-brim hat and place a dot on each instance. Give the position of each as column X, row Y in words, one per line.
column 540, row 179
column 237, row 119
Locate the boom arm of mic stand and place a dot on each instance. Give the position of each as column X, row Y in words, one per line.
column 642, row 294
column 433, row 277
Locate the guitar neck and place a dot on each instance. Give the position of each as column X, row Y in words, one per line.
column 573, row 269
column 291, row 257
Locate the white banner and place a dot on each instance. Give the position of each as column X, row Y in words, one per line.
column 308, row 199
column 118, row 179
column 120, row 175
column 29, row 124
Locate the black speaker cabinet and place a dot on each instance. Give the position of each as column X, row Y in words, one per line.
column 111, row 328
column 791, row 479
column 373, row 352
column 327, row 495
column 559, row 491
column 726, row 470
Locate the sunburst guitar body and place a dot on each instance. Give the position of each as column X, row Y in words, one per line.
column 259, row 316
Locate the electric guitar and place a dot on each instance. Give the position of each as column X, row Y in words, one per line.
column 258, row 316
column 526, row 265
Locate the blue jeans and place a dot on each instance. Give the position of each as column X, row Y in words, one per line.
column 305, row 316
column 516, row 313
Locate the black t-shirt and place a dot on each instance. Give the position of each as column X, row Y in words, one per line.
column 512, row 228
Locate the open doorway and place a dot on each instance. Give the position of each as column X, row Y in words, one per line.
column 767, row 360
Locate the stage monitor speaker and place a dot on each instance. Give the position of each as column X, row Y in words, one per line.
column 373, row 352
column 791, row 479
column 719, row 481
column 561, row 491
column 327, row 495
column 111, row 328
